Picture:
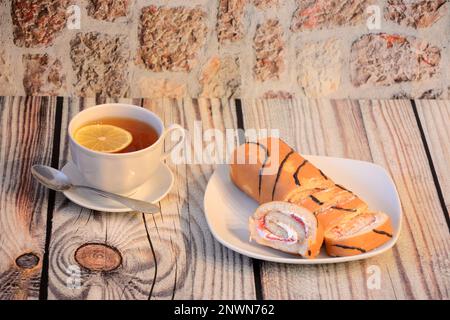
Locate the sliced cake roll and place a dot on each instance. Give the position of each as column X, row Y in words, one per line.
column 270, row 170
column 287, row 227
column 248, row 161
column 358, row 234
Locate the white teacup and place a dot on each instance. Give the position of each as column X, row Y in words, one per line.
column 121, row 173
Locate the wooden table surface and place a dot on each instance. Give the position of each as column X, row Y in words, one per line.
column 172, row 255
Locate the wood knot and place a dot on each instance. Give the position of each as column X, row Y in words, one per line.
column 98, row 257
column 27, row 260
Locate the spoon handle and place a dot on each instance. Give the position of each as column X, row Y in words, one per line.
column 134, row 204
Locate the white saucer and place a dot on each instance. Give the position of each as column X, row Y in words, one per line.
column 227, row 209
column 153, row 190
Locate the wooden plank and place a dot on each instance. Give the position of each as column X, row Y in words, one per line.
column 422, row 253
column 435, row 116
column 338, row 128
column 75, row 227
column 164, row 256
column 323, row 128
column 195, row 265
column 26, row 138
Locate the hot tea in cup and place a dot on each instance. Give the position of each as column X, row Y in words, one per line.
column 116, row 135
column 118, row 147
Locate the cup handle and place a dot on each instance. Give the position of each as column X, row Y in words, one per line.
column 171, row 128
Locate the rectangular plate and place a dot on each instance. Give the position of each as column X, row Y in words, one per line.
column 227, row 208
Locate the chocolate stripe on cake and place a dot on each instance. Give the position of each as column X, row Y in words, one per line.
column 297, row 181
column 279, row 171
column 343, row 209
column 350, row 248
column 316, row 200
column 263, row 164
column 383, row 233
column 323, row 174
column 341, row 187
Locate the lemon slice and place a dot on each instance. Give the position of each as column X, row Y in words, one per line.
column 103, row 138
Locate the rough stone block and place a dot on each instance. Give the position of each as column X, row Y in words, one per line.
column 265, row 4
column 100, row 63
column 420, row 94
column 108, row 10
column 37, row 22
column 415, row 13
column 432, row 94
column 6, row 84
column 43, row 75
column 319, row 67
column 384, row 59
column 326, row 14
column 221, row 78
column 271, row 94
column 229, row 20
column 170, row 38
column 269, row 50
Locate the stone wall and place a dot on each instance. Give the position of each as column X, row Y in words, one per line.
column 226, row 48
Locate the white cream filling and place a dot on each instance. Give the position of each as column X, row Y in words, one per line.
column 292, row 235
column 305, row 224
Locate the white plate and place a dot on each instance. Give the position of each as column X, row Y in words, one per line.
column 227, row 209
column 153, row 190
